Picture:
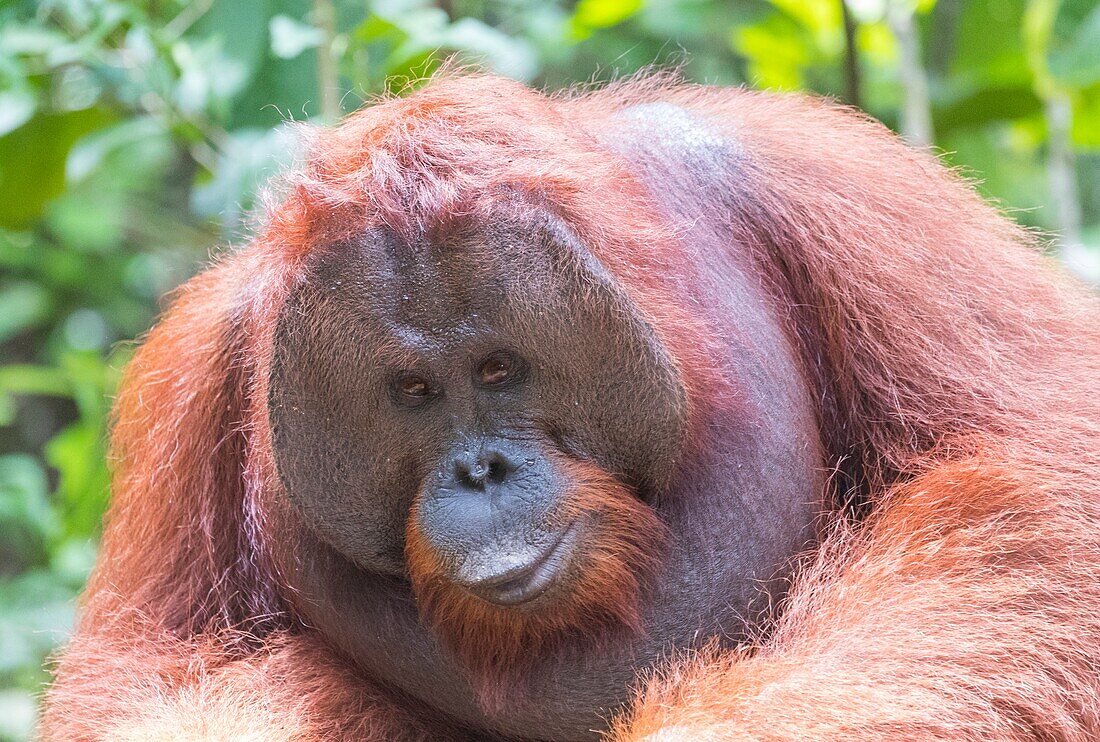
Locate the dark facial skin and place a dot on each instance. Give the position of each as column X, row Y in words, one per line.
column 453, row 390
column 450, row 370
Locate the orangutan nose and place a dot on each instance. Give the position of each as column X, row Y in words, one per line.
column 486, row 466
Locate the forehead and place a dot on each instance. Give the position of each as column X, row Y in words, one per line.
column 472, row 282
column 435, row 288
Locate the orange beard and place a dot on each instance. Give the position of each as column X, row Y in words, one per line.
column 617, row 554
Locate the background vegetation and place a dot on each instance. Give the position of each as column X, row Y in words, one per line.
column 134, row 135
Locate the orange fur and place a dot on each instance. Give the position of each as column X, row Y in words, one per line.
column 951, row 615
column 963, row 373
column 164, row 687
column 957, row 376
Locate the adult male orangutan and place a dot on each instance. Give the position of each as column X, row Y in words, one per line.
column 661, row 412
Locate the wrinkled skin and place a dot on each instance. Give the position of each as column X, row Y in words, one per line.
column 383, row 393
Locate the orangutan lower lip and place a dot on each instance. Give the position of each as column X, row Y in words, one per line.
column 528, row 582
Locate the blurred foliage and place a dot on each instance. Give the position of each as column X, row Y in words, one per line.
column 135, row 136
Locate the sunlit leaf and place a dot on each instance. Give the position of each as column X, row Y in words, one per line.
column 821, row 19
column 16, row 108
column 777, row 52
column 1086, row 118
column 17, row 378
column 593, row 14
column 25, row 38
column 289, row 38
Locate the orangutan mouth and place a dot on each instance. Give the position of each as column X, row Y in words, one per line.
column 525, row 582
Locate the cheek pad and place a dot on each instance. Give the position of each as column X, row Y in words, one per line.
column 343, row 459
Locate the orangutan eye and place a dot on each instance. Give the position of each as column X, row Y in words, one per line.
column 411, row 389
column 498, row 369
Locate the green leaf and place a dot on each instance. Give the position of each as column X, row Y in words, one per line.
column 989, row 45
column 593, row 14
column 778, row 51
column 78, row 454
column 32, row 162
column 16, row 108
column 506, row 55
column 27, row 521
column 27, row 379
column 18, row 711
column 984, row 106
column 240, row 30
column 36, row 615
column 250, row 157
column 17, row 99
column 1086, row 118
column 289, row 38
column 73, row 559
column 28, row 39
column 1075, row 51
column 22, row 306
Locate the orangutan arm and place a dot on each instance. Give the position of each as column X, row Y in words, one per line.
column 965, row 611
column 143, row 689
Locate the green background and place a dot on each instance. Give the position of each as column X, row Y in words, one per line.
column 135, row 136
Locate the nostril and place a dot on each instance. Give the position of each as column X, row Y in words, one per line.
column 497, row 467
column 489, row 467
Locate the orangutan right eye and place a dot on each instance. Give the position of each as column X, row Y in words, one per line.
column 412, row 389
